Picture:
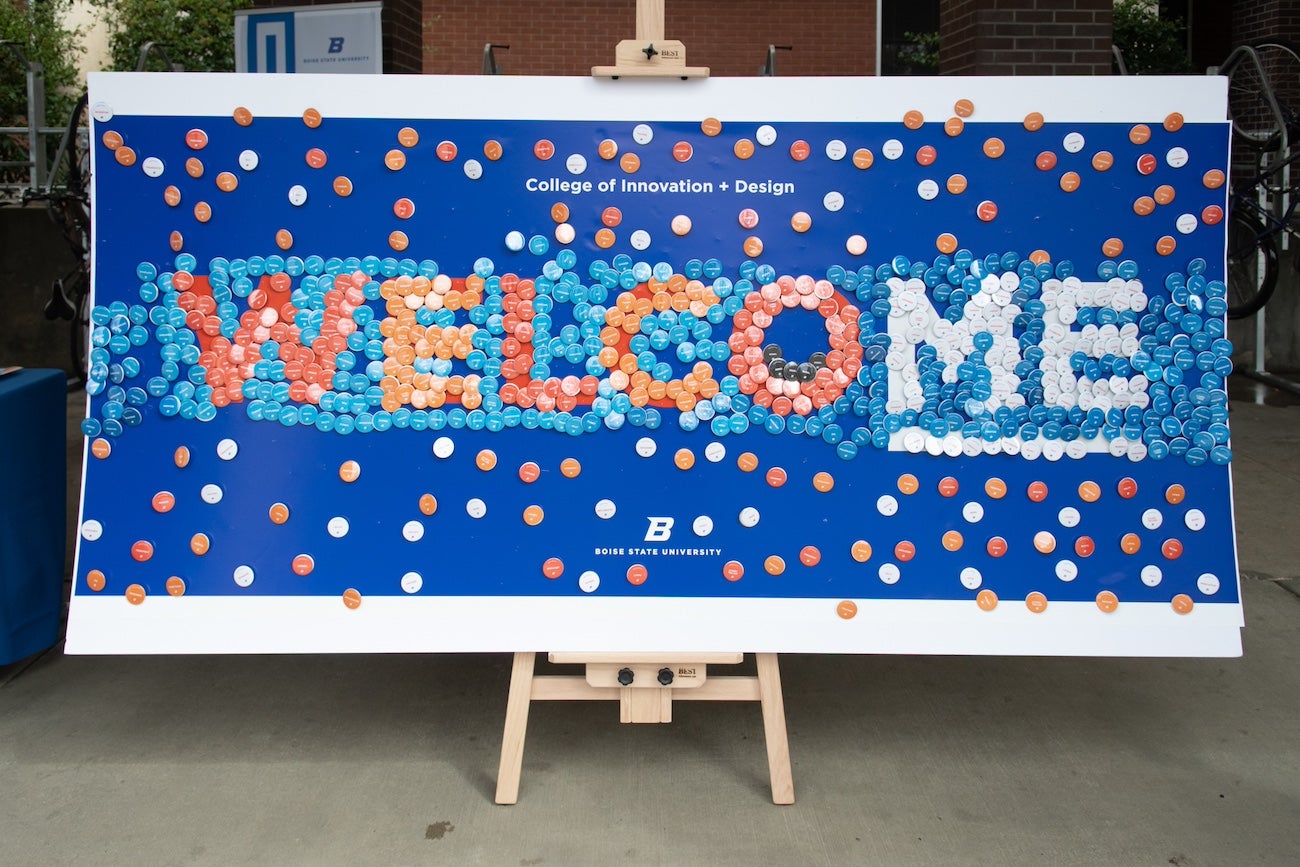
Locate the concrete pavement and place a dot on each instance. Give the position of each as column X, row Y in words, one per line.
column 897, row 760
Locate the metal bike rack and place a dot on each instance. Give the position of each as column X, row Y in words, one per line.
column 1246, row 55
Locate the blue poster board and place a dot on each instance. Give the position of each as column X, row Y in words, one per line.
column 831, row 365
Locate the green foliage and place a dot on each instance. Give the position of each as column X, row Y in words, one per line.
column 1152, row 45
column 924, row 53
column 198, row 34
column 39, row 31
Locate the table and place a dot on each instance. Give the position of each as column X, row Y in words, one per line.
column 33, row 517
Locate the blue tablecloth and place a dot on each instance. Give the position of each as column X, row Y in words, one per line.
column 33, row 517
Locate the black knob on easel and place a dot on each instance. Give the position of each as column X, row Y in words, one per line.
column 626, row 676
column 665, row 676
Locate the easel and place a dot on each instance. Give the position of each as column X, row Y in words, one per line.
column 645, row 685
column 650, row 55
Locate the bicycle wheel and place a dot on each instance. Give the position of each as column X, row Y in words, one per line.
column 1252, row 265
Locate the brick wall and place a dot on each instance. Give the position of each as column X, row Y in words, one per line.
column 1025, row 37
column 1255, row 20
column 401, row 30
column 830, row 37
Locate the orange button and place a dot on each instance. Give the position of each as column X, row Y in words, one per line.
column 485, row 460
column 963, row 108
column 953, row 126
column 1174, row 494
column 800, row 150
column 776, row 477
column 733, row 570
column 141, row 551
column 987, row 600
column 1107, row 601
column 529, row 472
column 1182, row 603
column 533, row 515
column 135, row 594
column 710, row 126
column 175, row 586
column 342, row 186
column 810, row 555
column 952, row 540
column 570, row 468
column 243, row 116
column 863, row 158
column 1036, row 602
column 636, row 574
column 303, row 564
column 553, row 568
column 948, row 486
column 1103, row 160
column 995, row 488
column 847, row 610
column 1089, row 492
column 629, row 163
column 1130, row 543
column 1213, row 179
column 1044, row 542
column 124, row 155
column 1084, row 546
column 1127, row 488
column 913, row 119
column 316, row 158
column 908, row 484
column 1037, row 491
column 1112, row 247
column 492, row 149
column 311, row 117
column 684, row 459
column 774, row 565
column 200, row 544
column 163, row 501
column 823, row 482
column 1172, row 549
column 395, row 160
column 957, row 184
column 747, row 461
column 1070, row 182
column 95, row 580
column 997, row 546
column 1139, row 134
column 428, row 504
column 946, row 243
column 860, row 551
column 904, row 551
column 1034, row 121
column 1173, row 121
column 1045, row 161
column 352, row 598
column 994, row 148
column 349, row 471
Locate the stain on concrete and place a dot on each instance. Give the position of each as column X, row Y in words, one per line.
column 438, row 830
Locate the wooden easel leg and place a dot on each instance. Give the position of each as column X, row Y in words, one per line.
column 778, row 745
column 512, row 741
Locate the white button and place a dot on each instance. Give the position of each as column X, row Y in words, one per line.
column 887, row 505
column 565, row 233
column 642, row 134
column 514, row 241
column 888, row 573
column 1053, row 450
column 833, row 201
column 835, row 149
column 1151, row 575
column 337, row 527
column 476, row 508
column 1031, row 449
column 152, row 166
column 411, row 582
column 765, row 135
column 973, row 512
column 474, row 169
column 211, row 494
column 971, row 578
column 1066, row 570
column 892, row 149
column 1073, row 142
column 748, row 516
column 297, row 195
column 443, row 447
column 1186, row 223
column 1069, row 517
column 248, row 160
column 646, row 447
column 588, row 581
column 576, row 164
column 1194, row 519
column 227, row 449
column 605, row 509
column 1075, row 449
column 715, row 452
column 91, row 530
column 1177, row 157
column 413, row 531
column 927, row 189
column 1152, row 519
column 243, row 575
column 102, row 112
column 640, row 239
column 914, row 441
column 703, row 525
column 1208, row 584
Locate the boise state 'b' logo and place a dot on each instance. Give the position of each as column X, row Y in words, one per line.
column 336, row 45
column 661, row 530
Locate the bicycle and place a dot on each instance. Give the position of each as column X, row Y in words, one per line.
column 1261, row 207
column 67, row 200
